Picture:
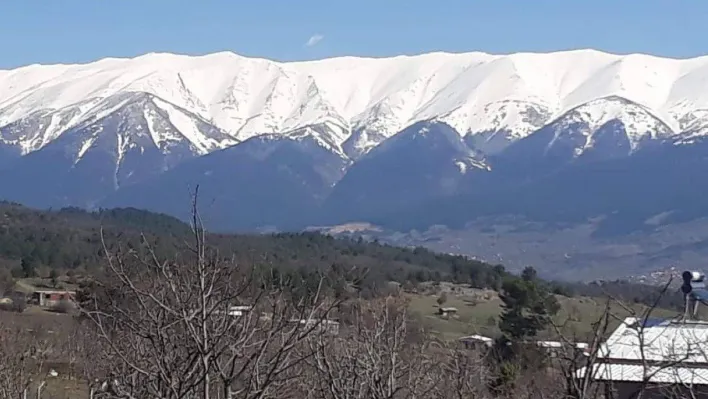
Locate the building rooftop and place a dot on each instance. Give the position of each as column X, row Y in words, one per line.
column 663, row 340
column 476, row 337
column 654, row 374
column 55, row 291
column 657, row 350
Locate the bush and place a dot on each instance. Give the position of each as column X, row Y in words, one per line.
column 442, row 299
column 64, row 306
column 16, row 304
column 17, row 272
column 7, row 282
column 54, row 276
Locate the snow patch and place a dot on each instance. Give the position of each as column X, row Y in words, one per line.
column 189, row 128
column 84, row 147
column 462, row 166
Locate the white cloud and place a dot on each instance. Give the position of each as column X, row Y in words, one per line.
column 314, row 39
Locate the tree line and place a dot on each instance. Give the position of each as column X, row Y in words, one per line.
column 71, row 241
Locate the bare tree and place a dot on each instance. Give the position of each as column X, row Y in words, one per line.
column 463, row 374
column 373, row 358
column 583, row 373
column 23, row 353
column 170, row 332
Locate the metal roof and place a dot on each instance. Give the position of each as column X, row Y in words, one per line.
column 671, row 351
column 654, row 374
column 662, row 341
column 476, row 337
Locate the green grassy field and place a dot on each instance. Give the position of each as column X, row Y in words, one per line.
column 480, row 316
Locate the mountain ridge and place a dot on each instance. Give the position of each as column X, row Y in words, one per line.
column 249, row 96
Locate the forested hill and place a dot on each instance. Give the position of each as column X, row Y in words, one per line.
column 69, row 239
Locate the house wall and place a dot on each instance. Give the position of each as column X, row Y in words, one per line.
column 476, row 345
column 630, row 390
column 52, row 299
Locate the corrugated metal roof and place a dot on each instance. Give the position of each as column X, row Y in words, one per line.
column 658, row 351
column 663, row 340
column 654, row 374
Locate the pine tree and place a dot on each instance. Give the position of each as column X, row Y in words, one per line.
column 28, row 268
column 54, row 276
column 528, row 306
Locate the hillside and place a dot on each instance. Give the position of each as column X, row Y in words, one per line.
column 69, row 241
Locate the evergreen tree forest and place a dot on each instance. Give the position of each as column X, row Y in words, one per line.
column 70, row 241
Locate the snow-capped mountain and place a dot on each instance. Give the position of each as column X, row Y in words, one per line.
column 605, row 128
column 141, row 137
column 500, row 98
column 339, row 133
column 582, row 127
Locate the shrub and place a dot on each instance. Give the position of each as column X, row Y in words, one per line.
column 442, row 299
column 16, row 304
column 64, row 306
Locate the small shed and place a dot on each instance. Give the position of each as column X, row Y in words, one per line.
column 447, row 312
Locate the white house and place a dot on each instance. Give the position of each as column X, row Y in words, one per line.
column 476, row 341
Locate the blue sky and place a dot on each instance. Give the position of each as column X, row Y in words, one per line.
column 69, row 31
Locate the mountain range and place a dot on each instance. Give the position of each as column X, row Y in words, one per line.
column 532, row 142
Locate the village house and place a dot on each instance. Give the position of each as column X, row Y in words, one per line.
column 235, row 310
column 556, row 348
column 326, row 326
column 477, row 342
column 51, row 298
column 239, row 310
column 661, row 357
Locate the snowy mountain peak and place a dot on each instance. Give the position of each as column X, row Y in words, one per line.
column 637, row 122
column 492, row 100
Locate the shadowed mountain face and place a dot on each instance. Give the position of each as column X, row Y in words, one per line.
column 265, row 181
column 134, row 142
column 425, row 161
